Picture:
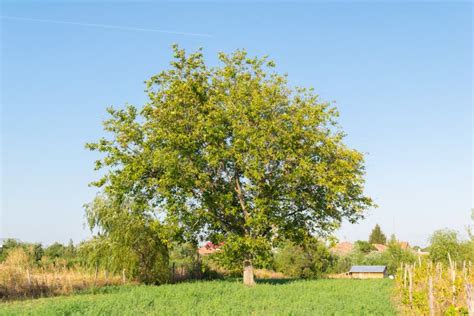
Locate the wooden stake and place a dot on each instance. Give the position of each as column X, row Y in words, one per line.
column 470, row 299
column 410, row 285
column 453, row 279
column 405, row 276
column 430, row 296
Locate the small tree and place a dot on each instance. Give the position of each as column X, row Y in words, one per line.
column 395, row 255
column 377, row 236
column 127, row 240
column 230, row 154
column 444, row 242
column 311, row 260
column 364, row 247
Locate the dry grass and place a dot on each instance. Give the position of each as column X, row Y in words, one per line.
column 20, row 279
column 268, row 274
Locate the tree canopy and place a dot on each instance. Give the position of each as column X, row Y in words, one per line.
column 377, row 236
column 444, row 242
column 231, row 154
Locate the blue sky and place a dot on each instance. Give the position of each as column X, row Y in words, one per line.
column 401, row 74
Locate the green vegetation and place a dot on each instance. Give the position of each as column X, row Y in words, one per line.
column 231, row 154
column 365, row 254
column 447, row 294
column 311, row 260
column 377, row 236
column 363, row 246
column 322, row 297
column 446, row 241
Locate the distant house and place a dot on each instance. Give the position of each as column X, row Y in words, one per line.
column 422, row 253
column 380, row 247
column 342, row 248
column 368, row 272
column 209, row 248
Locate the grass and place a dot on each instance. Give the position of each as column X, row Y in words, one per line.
column 18, row 279
column 319, row 297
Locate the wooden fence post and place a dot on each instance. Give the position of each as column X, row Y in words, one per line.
column 405, row 276
column 173, row 276
column 123, row 276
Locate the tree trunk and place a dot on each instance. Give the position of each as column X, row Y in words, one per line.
column 248, row 273
column 248, row 268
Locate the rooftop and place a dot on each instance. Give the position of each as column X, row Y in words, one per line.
column 368, row 269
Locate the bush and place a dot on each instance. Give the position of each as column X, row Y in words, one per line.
column 442, row 243
column 364, row 246
column 311, row 260
column 144, row 259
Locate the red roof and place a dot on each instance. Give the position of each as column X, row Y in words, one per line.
column 380, row 247
column 209, row 248
column 343, row 248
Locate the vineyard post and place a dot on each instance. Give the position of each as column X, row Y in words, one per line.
column 430, row 296
column 470, row 299
column 452, row 272
column 464, row 270
column 405, row 276
column 453, row 279
column 410, row 285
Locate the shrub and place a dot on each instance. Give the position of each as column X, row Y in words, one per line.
column 442, row 243
column 311, row 260
column 364, row 246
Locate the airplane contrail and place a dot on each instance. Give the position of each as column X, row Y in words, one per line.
column 117, row 27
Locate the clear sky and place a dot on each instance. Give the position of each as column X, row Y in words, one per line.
column 401, row 74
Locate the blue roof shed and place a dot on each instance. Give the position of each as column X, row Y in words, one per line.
column 368, row 269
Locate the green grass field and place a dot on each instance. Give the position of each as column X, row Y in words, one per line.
column 320, row 297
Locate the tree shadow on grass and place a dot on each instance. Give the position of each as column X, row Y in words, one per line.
column 260, row 281
column 275, row 281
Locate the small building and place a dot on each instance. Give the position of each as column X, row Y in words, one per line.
column 209, row 248
column 342, row 249
column 380, row 247
column 368, row 272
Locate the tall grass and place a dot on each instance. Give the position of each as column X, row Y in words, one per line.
column 223, row 297
column 19, row 278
